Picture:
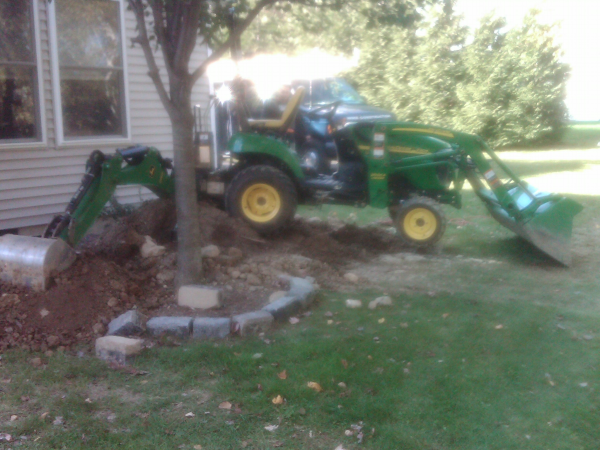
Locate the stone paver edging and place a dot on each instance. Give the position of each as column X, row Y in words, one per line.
column 300, row 295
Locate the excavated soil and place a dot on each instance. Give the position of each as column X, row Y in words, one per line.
column 110, row 276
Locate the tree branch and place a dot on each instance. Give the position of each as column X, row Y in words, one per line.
column 144, row 42
column 240, row 28
column 162, row 37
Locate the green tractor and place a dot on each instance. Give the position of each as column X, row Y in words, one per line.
column 406, row 167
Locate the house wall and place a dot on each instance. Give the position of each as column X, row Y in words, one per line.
column 37, row 182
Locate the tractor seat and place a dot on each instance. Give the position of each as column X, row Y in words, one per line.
column 280, row 125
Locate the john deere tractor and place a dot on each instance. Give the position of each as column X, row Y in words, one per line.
column 406, row 167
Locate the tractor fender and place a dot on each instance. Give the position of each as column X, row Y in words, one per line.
column 254, row 148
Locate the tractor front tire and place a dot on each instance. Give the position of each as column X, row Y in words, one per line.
column 420, row 222
column 262, row 196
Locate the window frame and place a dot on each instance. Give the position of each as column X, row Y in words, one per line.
column 41, row 139
column 61, row 140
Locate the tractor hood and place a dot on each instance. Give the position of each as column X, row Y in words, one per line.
column 362, row 113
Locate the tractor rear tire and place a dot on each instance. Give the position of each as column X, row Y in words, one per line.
column 420, row 222
column 262, row 196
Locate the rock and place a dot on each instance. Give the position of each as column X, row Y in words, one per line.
column 36, row 362
column 112, row 302
column 353, row 303
column 314, row 220
column 252, row 323
column 235, row 274
column 284, row 307
column 117, row 348
column 351, row 277
column 336, row 223
column 210, row 251
column 302, row 289
column 98, row 328
column 9, row 299
column 235, row 253
column 130, row 323
column 412, row 257
column 199, row 297
column 150, row 248
column 253, row 279
column 176, row 326
column 117, row 285
column 380, row 301
column 164, row 276
column 225, row 260
column 211, row 327
column 276, row 296
column 53, row 341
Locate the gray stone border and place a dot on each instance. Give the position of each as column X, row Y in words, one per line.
column 300, row 295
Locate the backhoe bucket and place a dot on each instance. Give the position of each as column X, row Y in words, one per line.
column 546, row 220
column 31, row 261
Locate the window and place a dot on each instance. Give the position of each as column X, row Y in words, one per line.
column 19, row 99
column 323, row 91
column 89, row 68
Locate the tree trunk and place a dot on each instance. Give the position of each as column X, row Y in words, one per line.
column 189, row 257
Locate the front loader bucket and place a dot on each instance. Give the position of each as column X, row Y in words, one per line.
column 31, row 261
column 546, row 220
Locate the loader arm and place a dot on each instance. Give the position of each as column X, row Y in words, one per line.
column 541, row 218
column 544, row 219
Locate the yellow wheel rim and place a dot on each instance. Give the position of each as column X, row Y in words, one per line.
column 261, row 202
column 420, row 224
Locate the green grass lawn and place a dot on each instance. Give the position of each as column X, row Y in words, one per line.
column 443, row 372
column 503, row 356
column 581, row 135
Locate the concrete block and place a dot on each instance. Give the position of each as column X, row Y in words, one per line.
column 176, row 326
column 252, row 323
column 283, row 308
column 277, row 295
column 117, row 348
column 199, row 297
column 302, row 289
column 150, row 248
column 211, row 327
column 127, row 324
column 210, row 251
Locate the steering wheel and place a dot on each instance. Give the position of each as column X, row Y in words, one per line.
column 322, row 112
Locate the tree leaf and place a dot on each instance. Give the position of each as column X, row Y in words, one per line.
column 315, row 386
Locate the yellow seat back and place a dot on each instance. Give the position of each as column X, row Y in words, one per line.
column 292, row 108
column 287, row 117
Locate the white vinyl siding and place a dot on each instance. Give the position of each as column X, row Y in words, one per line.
column 37, row 182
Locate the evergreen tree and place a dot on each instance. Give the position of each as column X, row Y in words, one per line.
column 418, row 61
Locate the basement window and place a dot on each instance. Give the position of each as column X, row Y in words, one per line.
column 20, row 120
column 90, row 71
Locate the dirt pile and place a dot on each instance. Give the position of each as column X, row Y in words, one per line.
column 110, row 276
